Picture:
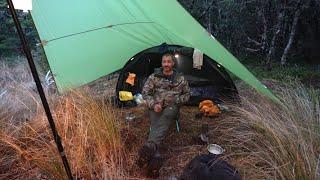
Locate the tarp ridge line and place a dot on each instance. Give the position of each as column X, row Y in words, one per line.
column 104, row 27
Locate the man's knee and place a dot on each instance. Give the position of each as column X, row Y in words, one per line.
column 157, row 134
column 160, row 124
column 171, row 112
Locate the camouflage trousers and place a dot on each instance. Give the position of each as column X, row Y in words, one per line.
column 160, row 124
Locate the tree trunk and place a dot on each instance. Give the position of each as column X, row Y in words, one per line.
column 277, row 30
column 292, row 35
column 264, row 38
column 209, row 19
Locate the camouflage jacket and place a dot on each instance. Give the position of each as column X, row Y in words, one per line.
column 168, row 91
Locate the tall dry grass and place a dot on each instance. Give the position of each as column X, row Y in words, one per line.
column 89, row 131
column 266, row 140
column 15, row 85
column 88, row 128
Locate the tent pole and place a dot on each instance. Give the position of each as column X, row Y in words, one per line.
column 36, row 78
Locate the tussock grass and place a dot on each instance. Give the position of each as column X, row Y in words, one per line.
column 89, row 131
column 266, row 140
column 18, row 95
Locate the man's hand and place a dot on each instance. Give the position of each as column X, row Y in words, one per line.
column 157, row 107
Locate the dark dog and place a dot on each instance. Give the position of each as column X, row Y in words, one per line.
column 209, row 167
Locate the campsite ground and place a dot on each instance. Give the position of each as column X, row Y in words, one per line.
column 259, row 136
column 179, row 147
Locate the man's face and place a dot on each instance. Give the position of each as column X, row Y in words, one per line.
column 167, row 63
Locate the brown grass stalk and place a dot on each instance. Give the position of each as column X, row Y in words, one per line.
column 268, row 140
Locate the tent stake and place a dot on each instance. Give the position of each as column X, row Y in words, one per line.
column 36, row 78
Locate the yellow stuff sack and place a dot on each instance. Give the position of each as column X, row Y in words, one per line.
column 125, row 96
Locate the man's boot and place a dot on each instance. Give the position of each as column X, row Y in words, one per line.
column 145, row 154
column 155, row 165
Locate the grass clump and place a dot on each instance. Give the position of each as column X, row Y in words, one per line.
column 272, row 141
column 89, row 131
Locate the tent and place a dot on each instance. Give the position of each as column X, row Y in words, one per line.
column 87, row 39
column 211, row 81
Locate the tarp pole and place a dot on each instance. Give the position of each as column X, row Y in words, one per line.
column 36, row 78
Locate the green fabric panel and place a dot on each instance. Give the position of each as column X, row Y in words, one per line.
column 95, row 49
column 93, row 57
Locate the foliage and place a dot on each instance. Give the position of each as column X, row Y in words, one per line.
column 273, row 141
column 298, row 71
column 247, row 28
column 9, row 40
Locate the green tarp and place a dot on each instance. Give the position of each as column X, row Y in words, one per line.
column 87, row 39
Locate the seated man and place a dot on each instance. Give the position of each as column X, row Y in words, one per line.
column 164, row 91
